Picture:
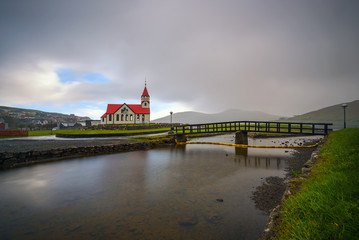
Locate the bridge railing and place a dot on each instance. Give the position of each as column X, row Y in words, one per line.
column 256, row 126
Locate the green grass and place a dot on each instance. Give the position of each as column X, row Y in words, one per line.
column 109, row 131
column 151, row 138
column 295, row 173
column 49, row 132
column 327, row 206
column 41, row 133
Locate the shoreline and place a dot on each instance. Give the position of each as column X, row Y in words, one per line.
column 277, row 189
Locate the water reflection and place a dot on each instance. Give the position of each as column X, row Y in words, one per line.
column 167, row 193
column 241, row 151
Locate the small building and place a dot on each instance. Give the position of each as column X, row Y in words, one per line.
column 89, row 123
column 128, row 113
column 3, row 126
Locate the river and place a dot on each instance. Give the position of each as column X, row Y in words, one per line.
column 178, row 192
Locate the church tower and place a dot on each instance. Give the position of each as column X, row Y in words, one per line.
column 145, row 98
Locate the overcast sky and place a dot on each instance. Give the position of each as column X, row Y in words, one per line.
column 284, row 57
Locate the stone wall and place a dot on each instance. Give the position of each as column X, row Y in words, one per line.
column 16, row 159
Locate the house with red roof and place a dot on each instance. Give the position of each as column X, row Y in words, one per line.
column 128, row 113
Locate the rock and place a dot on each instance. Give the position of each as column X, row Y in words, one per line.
column 73, row 228
column 308, row 164
column 306, row 170
column 213, row 218
column 189, row 222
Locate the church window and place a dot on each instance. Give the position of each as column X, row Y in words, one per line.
column 117, row 117
column 131, row 117
column 138, row 116
column 121, row 117
column 126, row 117
column 110, row 117
column 145, row 104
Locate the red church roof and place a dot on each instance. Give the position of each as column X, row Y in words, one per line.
column 136, row 108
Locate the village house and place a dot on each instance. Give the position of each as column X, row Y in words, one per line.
column 128, row 113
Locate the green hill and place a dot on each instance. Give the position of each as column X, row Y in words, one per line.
column 334, row 114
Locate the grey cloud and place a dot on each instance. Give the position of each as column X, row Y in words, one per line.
column 283, row 57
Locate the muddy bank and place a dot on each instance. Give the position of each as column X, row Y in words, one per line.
column 270, row 193
column 269, row 196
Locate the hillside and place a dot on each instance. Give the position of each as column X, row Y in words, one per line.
column 16, row 117
column 334, row 114
column 229, row 115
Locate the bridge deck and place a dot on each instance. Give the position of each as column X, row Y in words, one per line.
column 256, row 126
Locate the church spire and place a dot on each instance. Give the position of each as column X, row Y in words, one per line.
column 145, row 98
column 145, row 92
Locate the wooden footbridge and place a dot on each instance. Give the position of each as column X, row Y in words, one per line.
column 254, row 126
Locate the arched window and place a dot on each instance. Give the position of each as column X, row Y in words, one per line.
column 126, row 117
column 121, row 117
column 117, row 117
column 131, row 117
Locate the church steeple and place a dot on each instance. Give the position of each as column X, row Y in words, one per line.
column 145, row 97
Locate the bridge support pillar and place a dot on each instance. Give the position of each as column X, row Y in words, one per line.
column 181, row 137
column 241, row 137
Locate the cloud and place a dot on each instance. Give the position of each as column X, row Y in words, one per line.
column 275, row 56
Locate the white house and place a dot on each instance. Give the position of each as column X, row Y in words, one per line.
column 128, row 113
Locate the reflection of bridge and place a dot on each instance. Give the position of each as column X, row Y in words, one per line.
column 243, row 127
column 256, row 126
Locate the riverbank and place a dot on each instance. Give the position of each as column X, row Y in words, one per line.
column 269, row 194
column 322, row 202
column 20, row 152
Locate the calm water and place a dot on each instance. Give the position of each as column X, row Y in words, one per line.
column 166, row 193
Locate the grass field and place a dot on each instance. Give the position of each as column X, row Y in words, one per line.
column 327, row 206
column 49, row 132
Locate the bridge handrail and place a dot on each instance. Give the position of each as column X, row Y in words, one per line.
column 304, row 127
column 304, row 123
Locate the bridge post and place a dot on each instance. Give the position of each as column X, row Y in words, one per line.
column 181, row 137
column 241, row 137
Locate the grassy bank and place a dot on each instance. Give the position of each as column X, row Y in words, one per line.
column 327, row 206
column 49, row 132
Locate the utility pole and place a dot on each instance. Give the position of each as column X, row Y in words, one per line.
column 344, row 105
column 171, row 121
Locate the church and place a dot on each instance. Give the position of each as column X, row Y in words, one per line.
column 128, row 113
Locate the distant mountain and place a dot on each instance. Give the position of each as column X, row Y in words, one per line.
column 229, row 115
column 333, row 114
